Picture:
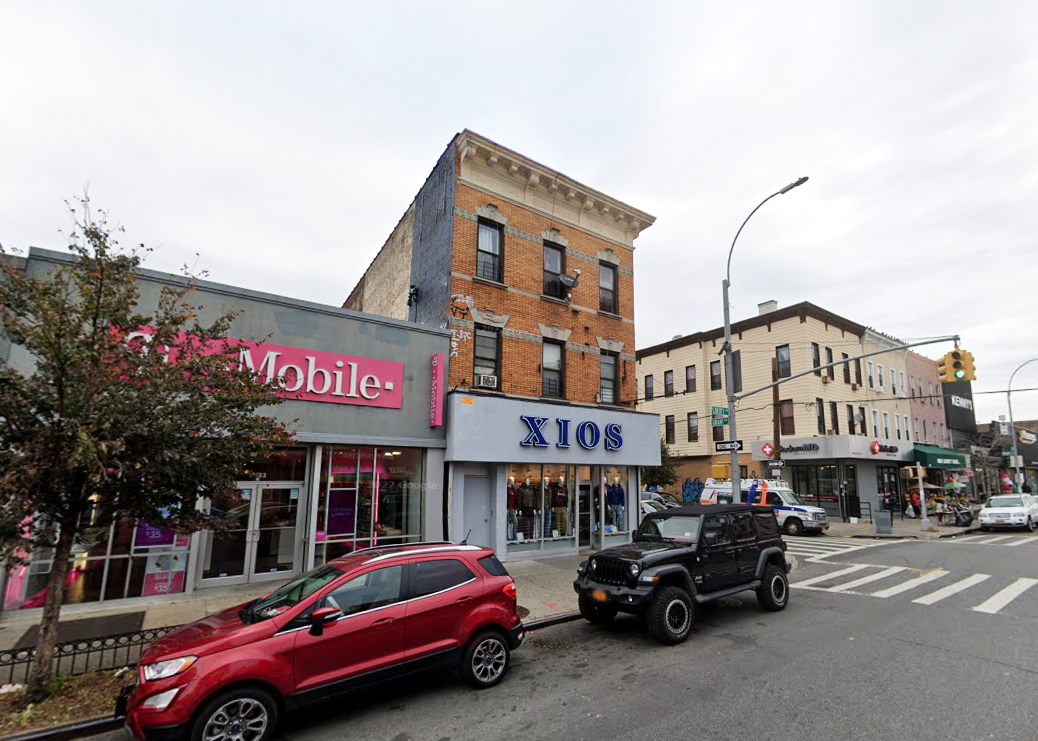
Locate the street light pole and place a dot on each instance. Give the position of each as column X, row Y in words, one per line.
column 727, row 349
column 1012, row 426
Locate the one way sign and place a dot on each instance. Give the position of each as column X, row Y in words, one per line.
column 729, row 445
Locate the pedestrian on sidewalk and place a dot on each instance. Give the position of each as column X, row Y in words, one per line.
column 916, row 504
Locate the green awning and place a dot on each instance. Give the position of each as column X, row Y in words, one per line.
column 934, row 457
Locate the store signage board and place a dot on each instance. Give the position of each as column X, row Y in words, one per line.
column 436, row 391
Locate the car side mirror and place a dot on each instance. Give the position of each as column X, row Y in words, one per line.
column 710, row 539
column 321, row 616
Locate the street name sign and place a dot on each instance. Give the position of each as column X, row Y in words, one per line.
column 728, row 445
column 718, row 421
column 719, row 411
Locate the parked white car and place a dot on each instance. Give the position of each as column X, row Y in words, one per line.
column 1009, row 510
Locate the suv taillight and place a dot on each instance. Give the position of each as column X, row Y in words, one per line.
column 509, row 590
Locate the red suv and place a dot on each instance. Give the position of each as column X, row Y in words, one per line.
column 369, row 616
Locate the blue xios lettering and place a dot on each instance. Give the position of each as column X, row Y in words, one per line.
column 536, row 437
column 588, row 434
column 613, row 438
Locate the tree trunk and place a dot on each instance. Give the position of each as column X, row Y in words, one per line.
column 43, row 662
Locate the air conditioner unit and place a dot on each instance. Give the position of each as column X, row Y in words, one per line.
column 854, row 386
column 826, row 379
column 486, row 382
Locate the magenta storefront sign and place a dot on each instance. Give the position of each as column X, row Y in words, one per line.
column 436, row 391
column 314, row 375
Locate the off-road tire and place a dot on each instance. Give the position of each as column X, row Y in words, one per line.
column 671, row 615
column 596, row 613
column 773, row 593
column 485, row 660
column 794, row 526
column 246, row 713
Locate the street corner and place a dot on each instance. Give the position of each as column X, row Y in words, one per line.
column 794, row 562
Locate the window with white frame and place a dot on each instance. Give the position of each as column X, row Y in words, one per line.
column 693, row 427
column 872, row 383
column 690, row 378
column 901, row 378
column 862, row 421
column 607, row 378
column 850, row 419
column 820, row 407
column 907, row 435
column 552, row 370
column 489, row 264
column 893, row 382
column 897, row 425
column 487, row 357
column 881, row 377
column 831, row 370
column 886, row 425
column 931, row 399
column 668, row 383
column 875, row 423
column 607, row 289
column 669, row 422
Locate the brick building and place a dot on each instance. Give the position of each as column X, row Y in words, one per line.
column 533, row 274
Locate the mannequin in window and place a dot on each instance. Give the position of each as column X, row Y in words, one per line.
column 547, row 513
column 527, row 500
column 513, row 522
column 617, row 499
column 559, row 504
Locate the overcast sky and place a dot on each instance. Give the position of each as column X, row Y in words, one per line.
column 281, row 142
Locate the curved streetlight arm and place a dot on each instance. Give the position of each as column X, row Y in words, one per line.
column 728, row 268
column 1012, row 425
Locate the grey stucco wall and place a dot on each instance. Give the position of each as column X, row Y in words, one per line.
column 434, row 242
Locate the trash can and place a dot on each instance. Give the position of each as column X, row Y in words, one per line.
column 884, row 521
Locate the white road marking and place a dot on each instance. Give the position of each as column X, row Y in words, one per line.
column 910, row 584
column 866, row 579
column 1021, row 542
column 833, row 575
column 951, row 589
column 1004, row 597
column 995, row 538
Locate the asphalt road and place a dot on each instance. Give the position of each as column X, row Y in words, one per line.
column 835, row 664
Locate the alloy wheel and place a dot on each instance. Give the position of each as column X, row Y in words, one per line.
column 242, row 719
column 488, row 660
column 677, row 617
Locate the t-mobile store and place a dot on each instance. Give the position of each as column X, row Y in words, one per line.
column 533, row 479
column 822, row 470
column 364, row 395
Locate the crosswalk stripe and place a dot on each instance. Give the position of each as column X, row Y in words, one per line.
column 833, row 575
column 866, row 579
column 910, row 584
column 1004, row 597
column 1021, row 542
column 951, row 589
column 996, row 538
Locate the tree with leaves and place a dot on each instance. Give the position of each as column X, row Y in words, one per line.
column 664, row 474
column 125, row 414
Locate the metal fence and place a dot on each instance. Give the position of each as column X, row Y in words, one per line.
column 72, row 658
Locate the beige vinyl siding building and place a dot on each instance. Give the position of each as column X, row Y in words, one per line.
column 823, row 424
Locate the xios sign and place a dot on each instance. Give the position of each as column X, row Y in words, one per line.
column 587, row 434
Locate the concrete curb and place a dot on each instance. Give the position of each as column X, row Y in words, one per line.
column 82, row 729
column 566, row 617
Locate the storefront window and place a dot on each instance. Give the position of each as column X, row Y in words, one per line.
column 288, row 464
column 540, row 507
column 368, row 497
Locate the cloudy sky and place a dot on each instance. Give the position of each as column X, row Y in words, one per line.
column 275, row 145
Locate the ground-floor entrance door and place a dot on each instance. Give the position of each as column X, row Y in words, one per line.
column 264, row 541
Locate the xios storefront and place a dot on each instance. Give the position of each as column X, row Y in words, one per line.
column 532, row 479
column 364, row 396
column 838, row 472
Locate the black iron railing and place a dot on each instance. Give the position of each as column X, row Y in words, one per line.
column 72, row 658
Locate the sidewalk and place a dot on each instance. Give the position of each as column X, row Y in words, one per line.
column 544, row 586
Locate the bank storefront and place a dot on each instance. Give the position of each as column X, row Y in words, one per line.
column 533, row 479
column 364, row 396
column 839, row 472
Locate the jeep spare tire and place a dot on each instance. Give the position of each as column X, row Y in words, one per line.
column 671, row 615
column 596, row 613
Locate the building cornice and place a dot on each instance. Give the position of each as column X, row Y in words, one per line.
column 570, row 200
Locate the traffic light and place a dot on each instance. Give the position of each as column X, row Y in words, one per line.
column 952, row 367
column 967, row 366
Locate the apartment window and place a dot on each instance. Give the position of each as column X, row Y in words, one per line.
column 690, row 378
column 940, row 394
column 554, row 266
column 693, row 427
column 489, row 264
column 901, row 379
column 718, row 433
column 668, row 383
column 816, row 359
column 648, row 388
column 552, row 370
column 907, row 435
column 850, row 419
column 917, row 430
column 881, row 378
column 736, row 380
column 607, row 289
column 670, row 429
column 893, row 382
column 897, row 425
column 715, row 374
column 607, row 378
column 857, row 371
column 834, row 416
column 875, row 423
column 487, row 358
column 786, row 425
column 820, row 407
column 872, row 384
column 782, row 354
column 931, row 394
column 886, row 425
column 926, row 435
column 831, row 370
column 846, row 368
column 862, row 422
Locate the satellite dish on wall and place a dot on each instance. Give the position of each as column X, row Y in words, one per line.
column 570, row 280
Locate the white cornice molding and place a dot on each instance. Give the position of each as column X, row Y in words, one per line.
column 491, row 213
column 525, row 173
column 489, row 318
column 609, row 344
column 554, row 333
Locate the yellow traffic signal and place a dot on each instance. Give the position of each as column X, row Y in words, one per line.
column 952, row 367
column 969, row 372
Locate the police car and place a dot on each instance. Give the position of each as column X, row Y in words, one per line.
column 794, row 517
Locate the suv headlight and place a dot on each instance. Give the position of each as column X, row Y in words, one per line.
column 168, row 668
column 634, row 569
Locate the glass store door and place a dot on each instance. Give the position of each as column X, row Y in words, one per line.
column 264, row 541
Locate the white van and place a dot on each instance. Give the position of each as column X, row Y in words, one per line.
column 793, row 516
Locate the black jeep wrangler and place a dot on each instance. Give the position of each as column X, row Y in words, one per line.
column 685, row 556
